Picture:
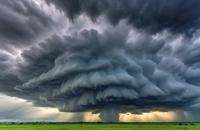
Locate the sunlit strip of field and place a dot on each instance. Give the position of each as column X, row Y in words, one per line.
column 142, row 126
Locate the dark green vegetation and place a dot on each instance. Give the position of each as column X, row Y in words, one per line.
column 140, row 126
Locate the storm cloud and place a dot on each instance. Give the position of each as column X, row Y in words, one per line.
column 137, row 57
column 152, row 16
column 22, row 23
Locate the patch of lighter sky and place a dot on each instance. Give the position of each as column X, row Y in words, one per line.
column 17, row 109
column 155, row 116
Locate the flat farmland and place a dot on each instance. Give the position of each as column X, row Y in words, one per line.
column 140, row 126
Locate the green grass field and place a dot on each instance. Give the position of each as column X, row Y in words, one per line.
column 101, row 127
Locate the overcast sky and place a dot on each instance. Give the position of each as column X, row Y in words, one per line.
column 89, row 60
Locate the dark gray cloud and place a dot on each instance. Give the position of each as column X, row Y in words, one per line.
column 89, row 70
column 22, row 22
column 8, row 79
column 178, row 16
column 117, row 69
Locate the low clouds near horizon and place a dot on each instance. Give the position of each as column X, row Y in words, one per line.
column 138, row 56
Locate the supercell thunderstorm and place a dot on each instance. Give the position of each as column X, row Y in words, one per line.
column 146, row 59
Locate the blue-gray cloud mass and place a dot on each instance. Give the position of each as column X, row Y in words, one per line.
column 146, row 59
